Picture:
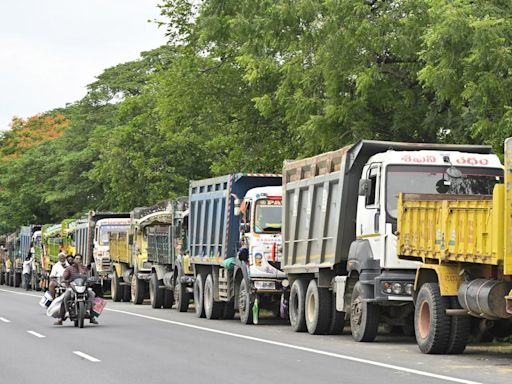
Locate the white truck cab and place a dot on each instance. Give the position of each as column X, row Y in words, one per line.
column 261, row 211
column 101, row 250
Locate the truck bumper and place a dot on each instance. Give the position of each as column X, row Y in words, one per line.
column 392, row 288
column 270, row 286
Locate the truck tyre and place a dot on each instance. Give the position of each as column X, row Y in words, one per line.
column 317, row 309
column 155, row 294
column 460, row 330
column 127, row 292
column 296, row 309
column 117, row 288
column 199, row 295
column 17, row 279
column 431, row 324
column 337, row 321
column 244, row 303
column 212, row 308
column 228, row 312
column 137, row 290
column 167, row 299
column 364, row 316
column 181, row 296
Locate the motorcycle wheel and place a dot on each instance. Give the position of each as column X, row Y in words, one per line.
column 81, row 314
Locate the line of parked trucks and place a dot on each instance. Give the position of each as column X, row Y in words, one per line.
column 415, row 237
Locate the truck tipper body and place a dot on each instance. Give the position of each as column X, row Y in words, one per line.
column 27, row 248
column 235, row 246
column 465, row 249
column 340, row 218
column 172, row 277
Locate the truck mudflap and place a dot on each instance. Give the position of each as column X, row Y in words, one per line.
column 508, row 302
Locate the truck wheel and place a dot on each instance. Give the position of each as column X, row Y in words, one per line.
column 337, row 321
column 199, row 295
column 167, row 299
column 364, row 316
column 137, row 290
column 296, row 309
column 317, row 309
column 460, row 330
column 431, row 324
column 181, row 296
column 244, row 303
column 155, row 293
column 117, row 288
column 228, row 312
column 17, row 279
column 212, row 308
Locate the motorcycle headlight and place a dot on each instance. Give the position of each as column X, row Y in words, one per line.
column 80, row 288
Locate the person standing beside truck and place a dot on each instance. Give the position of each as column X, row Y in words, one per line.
column 27, row 271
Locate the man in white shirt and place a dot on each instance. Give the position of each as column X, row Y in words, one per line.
column 56, row 273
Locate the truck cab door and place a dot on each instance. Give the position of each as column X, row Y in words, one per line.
column 369, row 225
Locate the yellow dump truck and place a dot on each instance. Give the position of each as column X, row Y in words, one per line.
column 464, row 244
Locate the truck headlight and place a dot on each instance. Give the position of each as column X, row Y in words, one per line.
column 409, row 288
column 259, row 284
column 397, row 288
column 285, row 283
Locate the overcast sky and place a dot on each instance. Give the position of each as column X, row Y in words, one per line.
column 51, row 49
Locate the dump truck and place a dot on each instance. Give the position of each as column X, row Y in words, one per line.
column 92, row 241
column 27, row 248
column 340, row 219
column 14, row 262
column 464, row 247
column 166, row 228
column 129, row 255
column 235, row 246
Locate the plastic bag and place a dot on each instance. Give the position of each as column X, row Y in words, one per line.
column 46, row 300
column 229, row 264
column 54, row 308
column 98, row 305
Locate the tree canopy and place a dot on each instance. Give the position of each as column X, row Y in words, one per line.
column 243, row 85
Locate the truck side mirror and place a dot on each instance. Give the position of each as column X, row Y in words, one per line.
column 237, row 207
column 365, row 186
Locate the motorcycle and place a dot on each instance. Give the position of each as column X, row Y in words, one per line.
column 78, row 304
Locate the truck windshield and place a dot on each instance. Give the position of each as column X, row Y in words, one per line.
column 426, row 179
column 268, row 216
column 114, row 228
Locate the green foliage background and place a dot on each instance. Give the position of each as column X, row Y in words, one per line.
column 244, row 84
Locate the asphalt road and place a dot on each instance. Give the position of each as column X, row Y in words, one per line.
column 138, row 344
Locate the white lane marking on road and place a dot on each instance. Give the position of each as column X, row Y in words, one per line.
column 305, row 349
column 86, row 356
column 36, row 334
column 3, row 319
column 20, row 293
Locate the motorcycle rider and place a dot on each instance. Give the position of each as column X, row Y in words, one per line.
column 75, row 271
column 56, row 273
